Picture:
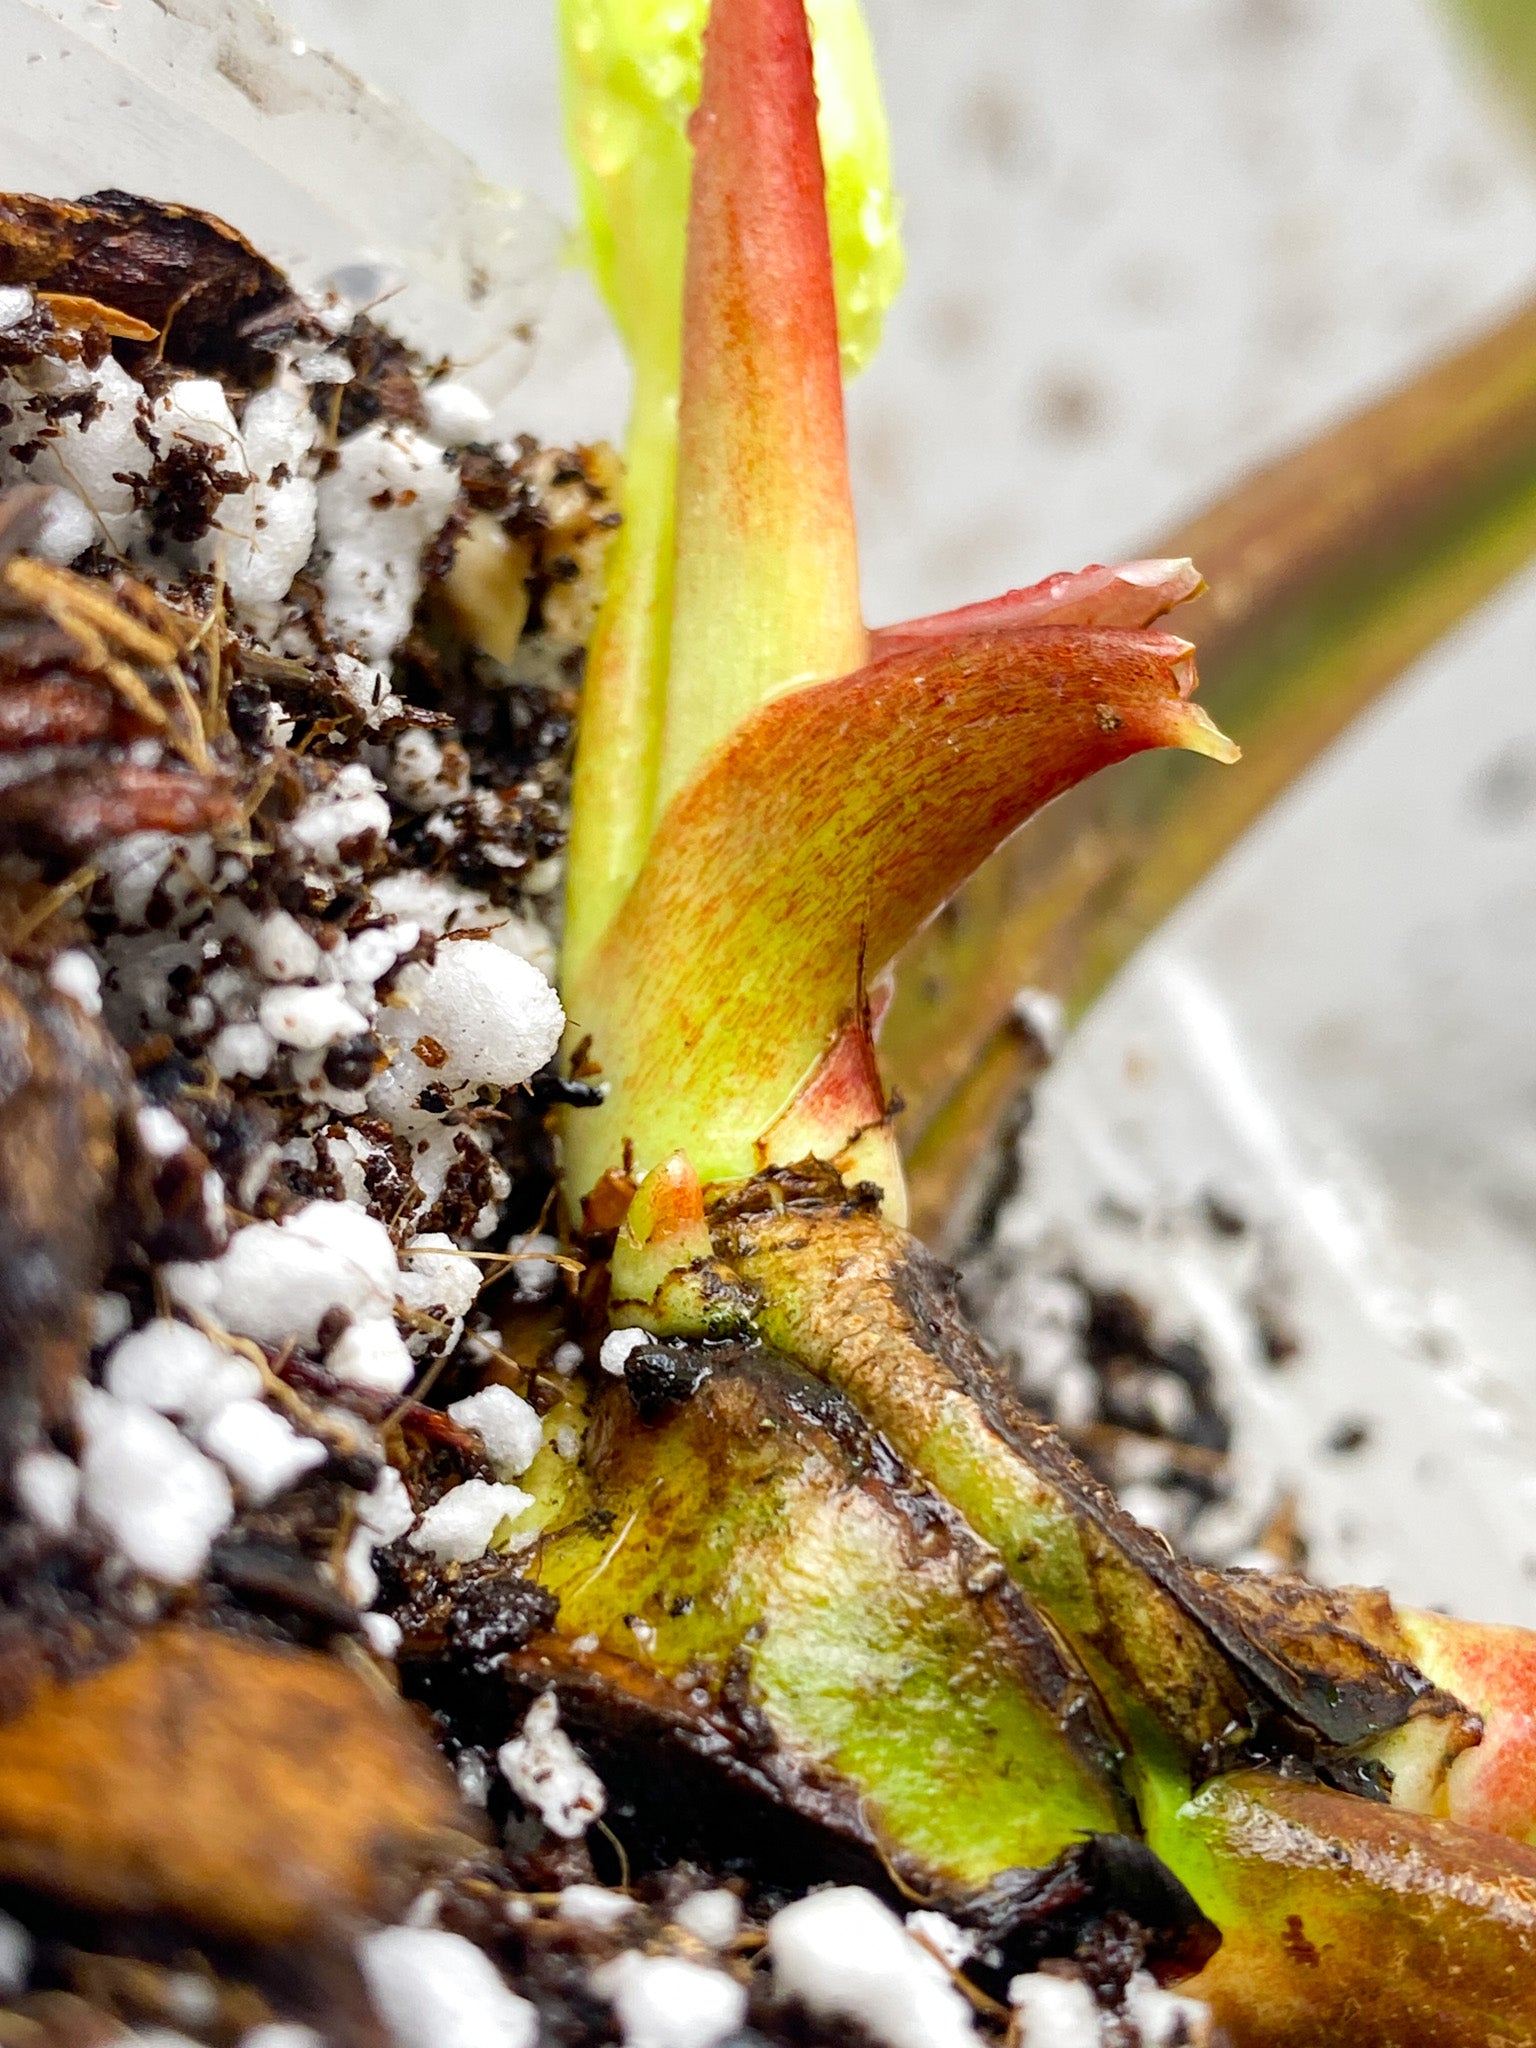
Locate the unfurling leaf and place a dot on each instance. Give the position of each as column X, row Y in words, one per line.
column 817, row 838
column 762, row 814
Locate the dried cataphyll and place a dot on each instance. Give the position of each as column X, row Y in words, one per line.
column 506, row 1537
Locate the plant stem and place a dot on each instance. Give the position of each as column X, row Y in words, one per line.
column 631, row 79
column 613, row 790
column 633, row 166
column 766, row 594
column 1508, row 28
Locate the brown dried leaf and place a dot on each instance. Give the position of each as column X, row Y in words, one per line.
column 83, row 660
column 53, row 713
column 869, row 1309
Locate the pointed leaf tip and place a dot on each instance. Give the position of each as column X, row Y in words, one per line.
column 1203, row 736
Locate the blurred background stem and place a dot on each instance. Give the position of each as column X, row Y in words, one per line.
column 1330, row 573
column 1508, row 30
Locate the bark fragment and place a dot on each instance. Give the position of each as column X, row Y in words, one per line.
column 188, row 276
column 63, row 1085
column 76, row 811
column 263, row 1794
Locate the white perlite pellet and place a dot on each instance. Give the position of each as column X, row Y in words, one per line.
column 541, row 1765
column 846, row 1956
column 433, row 1989
column 15, row 1956
column 155, row 1495
column 382, row 1516
column 1162, row 2018
column 371, row 953
column 66, row 529
column 111, row 1315
column 310, row 1018
column 241, row 1049
column 1054, row 2012
column 534, row 1278
column 460, row 1526
column 506, row 1424
column 953, row 1945
column 280, row 1280
column 592, row 1905
column 474, row 1775
column 387, row 1510
column 260, row 1449
column 618, row 1347
column 178, row 1371
column 281, row 949
column 133, row 869
column 436, row 1275
column 48, row 1487
column 493, row 1016
column 160, row 1133
column 666, row 2002
column 350, row 809
column 97, row 453
column 713, row 1917
column 455, row 412
column 265, row 533
column 282, row 2034
column 380, row 507
column 190, row 1997
column 372, row 1354
column 75, row 974
column 382, row 1633
column 439, row 905
column 423, row 774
